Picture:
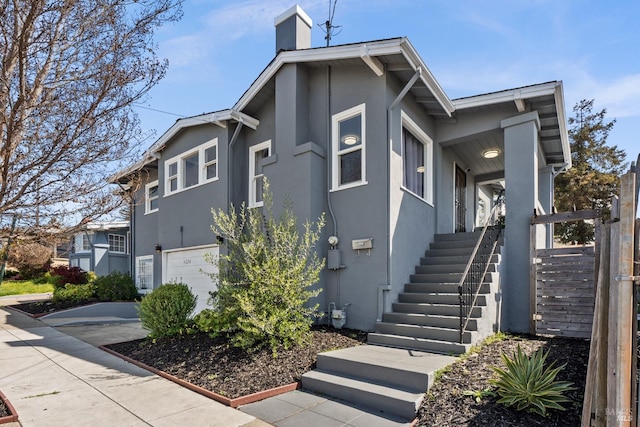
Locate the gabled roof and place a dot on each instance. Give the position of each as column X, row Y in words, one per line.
column 393, row 55
column 545, row 98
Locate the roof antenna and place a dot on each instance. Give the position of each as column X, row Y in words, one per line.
column 329, row 28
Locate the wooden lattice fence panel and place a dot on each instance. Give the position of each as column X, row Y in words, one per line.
column 565, row 291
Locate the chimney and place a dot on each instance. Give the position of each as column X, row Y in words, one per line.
column 293, row 30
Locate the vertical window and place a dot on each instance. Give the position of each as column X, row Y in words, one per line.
column 191, row 170
column 117, row 243
column 172, row 176
column 414, row 170
column 151, row 197
column 349, row 147
column 144, row 272
column 417, row 160
column 211, row 163
column 82, row 243
column 257, row 154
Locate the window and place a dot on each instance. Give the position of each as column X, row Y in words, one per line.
column 257, row 154
column 144, row 272
column 151, row 197
column 117, row 243
column 82, row 243
column 417, row 174
column 349, row 148
column 195, row 167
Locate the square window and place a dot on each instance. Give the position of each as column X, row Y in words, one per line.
column 117, row 243
column 192, row 168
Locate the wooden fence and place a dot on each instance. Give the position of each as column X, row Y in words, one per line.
column 565, row 291
column 563, row 281
column 610, row 397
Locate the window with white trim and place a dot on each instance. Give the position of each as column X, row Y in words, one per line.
column 82, row 243
column 349, row 144
column 152, row 194
column 144, row 272
column 257, row 154
column 192, row 168
column 117, row 243
column 417, row 160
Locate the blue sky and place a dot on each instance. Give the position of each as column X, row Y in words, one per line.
column 472, row 47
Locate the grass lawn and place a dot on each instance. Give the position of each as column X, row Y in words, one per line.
column 19, row 287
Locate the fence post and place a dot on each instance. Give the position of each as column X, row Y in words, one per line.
column 621, row 310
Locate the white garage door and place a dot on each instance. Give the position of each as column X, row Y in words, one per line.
column 189, row 266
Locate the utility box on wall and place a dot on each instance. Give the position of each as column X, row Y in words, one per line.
column 334, row 259
column 358, row 244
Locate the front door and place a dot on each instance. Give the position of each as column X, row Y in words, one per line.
column 460, row 199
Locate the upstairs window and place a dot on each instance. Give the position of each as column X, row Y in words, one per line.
column 417, row 163
column 349, row 143
column 82, row 243
column 257, row 154
column 151, row 197
column 117, row 243
column 192, row 168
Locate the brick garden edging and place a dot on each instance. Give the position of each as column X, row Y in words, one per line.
column 14, row 415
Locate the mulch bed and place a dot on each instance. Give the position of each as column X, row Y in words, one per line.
column 213, row 364
column 4, row 411
column 40, row 308
column 447, row 405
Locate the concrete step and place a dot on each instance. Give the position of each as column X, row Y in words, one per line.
column 422, row 344
column 437, row 298
column 445, row 268
column 426, row 332
column 452, row 310
column 452, row 259
column 453, row 244
column 447, row 288
column 396, row 401
column 384, row 365
column 436, row 278
column 457, row 251
column 456, row 236
column 438, row 321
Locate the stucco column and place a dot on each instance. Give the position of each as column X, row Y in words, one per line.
column 545, row 196
column 521, row 195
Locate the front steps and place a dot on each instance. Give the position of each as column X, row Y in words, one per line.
column 389, row 374
column 390, row 380
column 426, row 316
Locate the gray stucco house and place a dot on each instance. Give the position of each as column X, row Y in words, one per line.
column 102, row 247
column 365, row 133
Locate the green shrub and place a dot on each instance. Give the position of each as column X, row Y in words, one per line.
column 166, row 310
column 528, row 385
column 265, row 277
column 115, row 287
column 74, row 293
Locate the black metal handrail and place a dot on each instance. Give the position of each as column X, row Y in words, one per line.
column 473, row 276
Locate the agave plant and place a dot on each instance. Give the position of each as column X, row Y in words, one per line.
column 528, row 385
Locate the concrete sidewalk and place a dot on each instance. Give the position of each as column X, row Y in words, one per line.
column 54, row 379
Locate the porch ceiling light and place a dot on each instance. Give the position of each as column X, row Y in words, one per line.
column 420, row 169
column 491, row 154
column 350, row 139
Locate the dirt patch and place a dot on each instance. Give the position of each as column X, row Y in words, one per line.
column 213, row 364
column 448, row 405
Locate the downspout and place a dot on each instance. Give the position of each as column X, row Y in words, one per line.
column 386, row 288
column 234, row 137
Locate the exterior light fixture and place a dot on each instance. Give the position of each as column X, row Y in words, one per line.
column 420, row 169
column 158, row 247
column 491, row 154
column 350, row 139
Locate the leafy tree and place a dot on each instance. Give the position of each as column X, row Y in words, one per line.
column 594, row 177
column 265, row 278
column 70, row 73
